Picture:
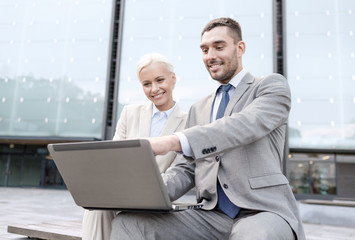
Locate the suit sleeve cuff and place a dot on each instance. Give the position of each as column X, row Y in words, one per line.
column 185, row 145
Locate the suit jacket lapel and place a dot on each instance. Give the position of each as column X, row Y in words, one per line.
column 239, row 91
column 145, row 120
column 173, row 122
column 207, row 109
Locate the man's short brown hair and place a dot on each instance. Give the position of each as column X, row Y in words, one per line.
column 233, row 26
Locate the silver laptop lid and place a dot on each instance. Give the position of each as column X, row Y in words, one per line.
column 120, row 175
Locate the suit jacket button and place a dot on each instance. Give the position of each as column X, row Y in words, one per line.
column 225, row 186
column 217, row 158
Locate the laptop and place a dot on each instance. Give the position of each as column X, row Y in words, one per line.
column 114, row 175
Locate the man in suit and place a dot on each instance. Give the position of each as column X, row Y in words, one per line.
column 161, row 116
column 232, row 155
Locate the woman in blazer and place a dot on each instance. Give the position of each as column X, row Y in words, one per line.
column 161, row 116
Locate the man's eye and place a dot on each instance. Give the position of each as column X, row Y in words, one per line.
column 205, row 50
column 160, row 80
column 146, row 84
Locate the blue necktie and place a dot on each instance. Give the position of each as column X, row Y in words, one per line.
column 223, row 202
column 224, row 101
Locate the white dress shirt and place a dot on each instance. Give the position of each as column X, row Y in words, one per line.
column 158, row 120
column 185, row 145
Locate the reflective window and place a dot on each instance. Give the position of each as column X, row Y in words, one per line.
column 28, row 166
column 173, row 28
column 345, row 175
column 4, row 169
column 321, row 71
column 53, row 66
column 312, row 173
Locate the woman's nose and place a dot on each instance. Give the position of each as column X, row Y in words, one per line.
column 155, row 87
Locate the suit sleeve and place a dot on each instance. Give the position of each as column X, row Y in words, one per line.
column 180, row 178
column 268, row 110
column 121, row 128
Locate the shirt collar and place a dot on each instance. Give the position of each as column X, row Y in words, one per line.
column 237, row 78
column 167, row 112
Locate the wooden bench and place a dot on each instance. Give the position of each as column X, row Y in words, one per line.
column 49, row 231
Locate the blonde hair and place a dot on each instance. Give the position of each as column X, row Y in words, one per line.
column 150, row 58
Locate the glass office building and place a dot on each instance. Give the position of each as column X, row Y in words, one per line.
column 68, row 67
column 53, row 68
column 321, row 71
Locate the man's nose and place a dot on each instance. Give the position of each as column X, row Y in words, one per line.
column 211, row 55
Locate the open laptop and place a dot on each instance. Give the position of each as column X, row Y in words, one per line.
column 115, row 175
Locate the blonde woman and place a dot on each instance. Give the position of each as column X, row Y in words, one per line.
column 161, row 116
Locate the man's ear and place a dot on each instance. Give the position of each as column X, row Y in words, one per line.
column 241, row 48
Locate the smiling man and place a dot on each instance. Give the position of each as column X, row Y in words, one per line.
column 222, row 56
column 232, row 148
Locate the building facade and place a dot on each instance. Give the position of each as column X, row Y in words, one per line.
column 68, row 67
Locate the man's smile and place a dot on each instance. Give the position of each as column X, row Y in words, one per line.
column 215, row 65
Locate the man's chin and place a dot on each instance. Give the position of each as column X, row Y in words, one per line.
column 215, row 77
column 221, row 81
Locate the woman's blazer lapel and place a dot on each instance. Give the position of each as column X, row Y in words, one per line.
column 145, row 120
column 174, row 122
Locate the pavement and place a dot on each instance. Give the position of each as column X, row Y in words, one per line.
column 24, row 206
